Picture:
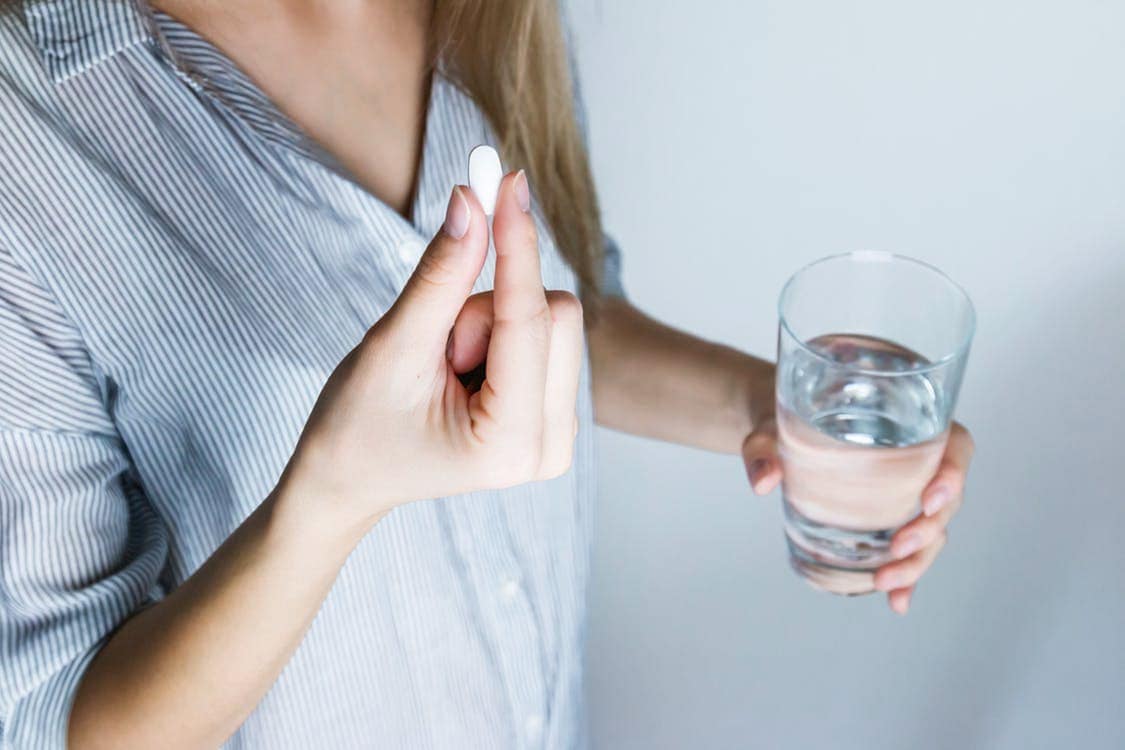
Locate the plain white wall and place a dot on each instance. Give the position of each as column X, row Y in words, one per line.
column 734, row 141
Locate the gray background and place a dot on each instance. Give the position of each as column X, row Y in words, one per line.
column 735, row 140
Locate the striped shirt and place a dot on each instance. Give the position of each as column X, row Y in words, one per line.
column 180, row 270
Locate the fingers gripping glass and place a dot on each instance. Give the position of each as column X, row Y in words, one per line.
column 871, row 352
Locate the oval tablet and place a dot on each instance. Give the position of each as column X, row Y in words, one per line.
column 485, row 174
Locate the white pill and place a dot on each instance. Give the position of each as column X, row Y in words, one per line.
column 485, row 174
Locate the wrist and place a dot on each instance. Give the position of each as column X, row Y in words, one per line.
column 753, row 400
column 761, row 394
column 311, row 513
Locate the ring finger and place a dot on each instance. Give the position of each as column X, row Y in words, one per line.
column 564, row 366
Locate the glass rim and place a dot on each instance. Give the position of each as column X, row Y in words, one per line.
column 883, row 256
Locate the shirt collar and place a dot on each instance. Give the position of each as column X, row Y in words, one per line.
column 75, row 35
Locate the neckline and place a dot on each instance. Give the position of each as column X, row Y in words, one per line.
column 207, row 69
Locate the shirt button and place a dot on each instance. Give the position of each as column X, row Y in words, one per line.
column 533, row 728
column 509, row 587
column 410, row 250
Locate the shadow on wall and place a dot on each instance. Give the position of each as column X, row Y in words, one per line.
column 1034, row 633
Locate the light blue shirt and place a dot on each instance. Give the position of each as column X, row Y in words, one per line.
column 180, row 271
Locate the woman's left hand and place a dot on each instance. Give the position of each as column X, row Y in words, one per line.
column 918, row 542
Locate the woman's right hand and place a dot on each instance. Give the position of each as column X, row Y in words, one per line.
column 394, row 422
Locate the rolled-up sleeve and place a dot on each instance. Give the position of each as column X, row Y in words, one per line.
column 80, row 547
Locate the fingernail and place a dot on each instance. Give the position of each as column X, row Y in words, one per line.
column 908, row 546
column 457, row 215
column 756, row 470
column 523, row 192
column 901, row 605
column 449, row 347
column 936, row 501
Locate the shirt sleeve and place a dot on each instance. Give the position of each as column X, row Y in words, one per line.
column 611, row 270
column 611, row 283
column 80, row 547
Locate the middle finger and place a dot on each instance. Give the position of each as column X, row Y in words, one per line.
column 564, row 368
column 518, row 349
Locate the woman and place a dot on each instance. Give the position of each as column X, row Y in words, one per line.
column 231, row 367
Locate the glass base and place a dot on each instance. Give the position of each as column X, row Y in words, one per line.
column 839, row 561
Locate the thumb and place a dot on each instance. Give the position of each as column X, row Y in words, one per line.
column 435, row 293
column 759, row 451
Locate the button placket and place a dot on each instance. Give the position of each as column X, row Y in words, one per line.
column 504, row 600
column 533, row 729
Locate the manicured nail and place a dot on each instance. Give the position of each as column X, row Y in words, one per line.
column 936, row 501
column 900, row 605
column 908, row 546
column 457, row 215
column 523, row 192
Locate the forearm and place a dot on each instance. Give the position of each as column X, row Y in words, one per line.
column 655, row 381
column 187, row 671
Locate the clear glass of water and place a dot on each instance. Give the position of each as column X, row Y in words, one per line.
column 872, row 348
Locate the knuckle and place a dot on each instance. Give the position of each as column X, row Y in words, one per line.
column 530, row 318
column 758, row 442
column 520, row 238
column 434, row 270
column 534, row 328
column 524, row 455
column 558, row 470
column 527, row 235
column 541, row 316
column 564, row 306
column 480, row 302
column 528, row 468
column 557, row 465
column 511, row 467
column 928, row 529
column 897, row 576
column 952, row 476
column 914, row 566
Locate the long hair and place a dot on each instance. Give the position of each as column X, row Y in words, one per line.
column 510, row 56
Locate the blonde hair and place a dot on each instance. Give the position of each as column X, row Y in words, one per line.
column 511, row 57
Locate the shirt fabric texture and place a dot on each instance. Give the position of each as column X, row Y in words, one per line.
column 180, row 271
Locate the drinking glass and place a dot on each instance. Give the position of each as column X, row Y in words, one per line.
column 871, row 352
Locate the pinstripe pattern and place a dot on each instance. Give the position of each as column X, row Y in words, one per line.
column 180, row 270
